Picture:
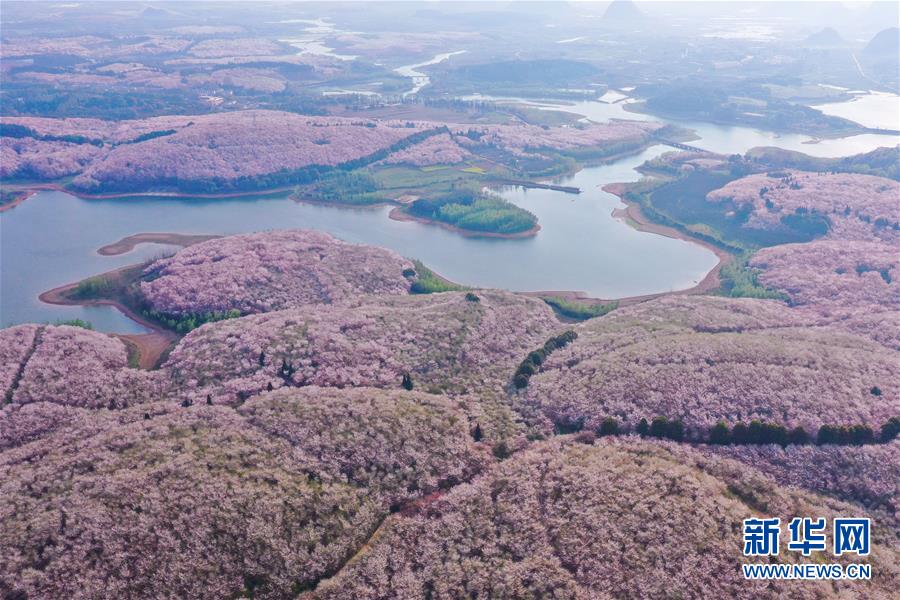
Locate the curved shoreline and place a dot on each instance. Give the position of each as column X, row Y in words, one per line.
column 55, row 187
column 831, row 135
column 150, row 346
column 632, row 212
column 26, row 194
column 129, row 243
column 397, row 214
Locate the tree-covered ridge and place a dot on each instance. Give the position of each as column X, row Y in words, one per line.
column 251, row 150
column 864, row 474
column 241, row 150
column 574, row 521
column 841, row 205
column 824, row 241
column 702, row 360
column 834, row 275
column 381, row 424
column 276, row 495
column 324, row 420
column 881, row 162
column 443, row 342
column 743, row 203
column 261, row 272
column 742, row 103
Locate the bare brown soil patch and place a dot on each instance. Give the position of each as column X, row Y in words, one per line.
column 127, row 244
column 149, row 347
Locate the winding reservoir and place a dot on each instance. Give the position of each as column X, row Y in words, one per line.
column 52, row 238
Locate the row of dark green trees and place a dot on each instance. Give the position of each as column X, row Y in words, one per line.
column 16, row 131
column 754, row 433
column 535, row 359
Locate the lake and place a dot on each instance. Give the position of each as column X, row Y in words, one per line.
column 52, row 238
column 873, row 109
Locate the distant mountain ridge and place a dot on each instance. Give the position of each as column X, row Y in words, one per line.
column 885, row 42
column 827, row 37
column 623, row 11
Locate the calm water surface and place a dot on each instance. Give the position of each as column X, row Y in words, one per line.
column 52, row 238
column 873, row 109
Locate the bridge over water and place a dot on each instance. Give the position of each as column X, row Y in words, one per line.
column 679, row 145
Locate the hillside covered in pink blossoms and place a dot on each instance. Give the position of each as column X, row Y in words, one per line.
column 522, row 139
column 255, row 149
column 209, row 500
column 575, row 521
column 285, row 414
column 704, row 360
column 858, row 207
column 444, row 342
column 269, row 271
column 234, row 145
column 71, row 366
column 350, row 440
column 849, row 284
column 847, row 277
column 830, row 274
column 868, row 475
column 437, row 150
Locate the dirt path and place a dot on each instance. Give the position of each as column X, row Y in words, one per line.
column 150, row 347
column 20, row 371
column 127, row 244
column 409, row 509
